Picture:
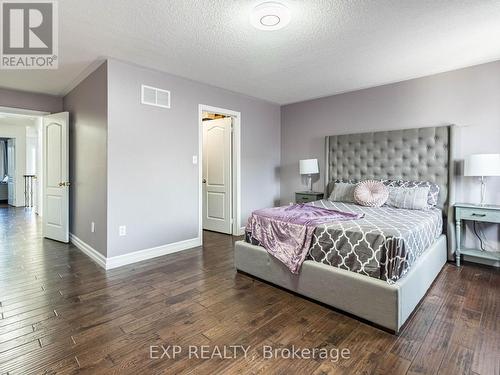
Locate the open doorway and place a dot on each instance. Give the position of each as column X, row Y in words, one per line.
column 34, row 171
column 20, row 161
column 219, row 168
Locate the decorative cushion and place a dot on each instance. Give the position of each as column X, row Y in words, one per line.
column 342, row 192
column 371, row 193
column 411, row 198
column 432, row 198
column 433, row 191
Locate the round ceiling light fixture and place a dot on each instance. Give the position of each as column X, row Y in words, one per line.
column 270, row 15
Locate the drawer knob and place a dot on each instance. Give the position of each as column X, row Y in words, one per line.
column 479, row 215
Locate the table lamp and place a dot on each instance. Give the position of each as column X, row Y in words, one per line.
column 482, row 165
column 309, row 167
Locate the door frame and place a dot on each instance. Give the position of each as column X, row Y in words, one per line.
column 235, row 168
column 17, row 182
column 31, row 113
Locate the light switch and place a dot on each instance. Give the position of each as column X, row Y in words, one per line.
column 195, row 159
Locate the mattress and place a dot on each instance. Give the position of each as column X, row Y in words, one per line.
column 384, row 244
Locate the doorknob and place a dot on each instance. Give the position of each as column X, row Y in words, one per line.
column 64, row 184
column 204, row 181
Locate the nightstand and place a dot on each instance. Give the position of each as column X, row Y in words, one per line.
column 307, row 196
column 489, row 214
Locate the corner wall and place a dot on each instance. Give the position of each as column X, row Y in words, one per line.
column 87, row 105
column 152, row 182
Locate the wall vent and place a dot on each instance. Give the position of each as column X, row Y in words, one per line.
column 155, row 96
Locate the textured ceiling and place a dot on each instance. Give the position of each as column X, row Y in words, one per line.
column 329, row 46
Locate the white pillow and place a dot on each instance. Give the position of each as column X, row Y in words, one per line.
column 371, row 193
column 413, row 198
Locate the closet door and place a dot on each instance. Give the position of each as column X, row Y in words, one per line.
column 56, row 177
column 217, row 199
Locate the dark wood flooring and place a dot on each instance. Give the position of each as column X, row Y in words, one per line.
column 61, row 313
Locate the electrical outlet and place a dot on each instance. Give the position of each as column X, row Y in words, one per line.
column 92, row 227
column 123, row 230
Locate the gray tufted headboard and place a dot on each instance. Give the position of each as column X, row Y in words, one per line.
column 423, row 154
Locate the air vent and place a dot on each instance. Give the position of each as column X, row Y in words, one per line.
column 155, row 96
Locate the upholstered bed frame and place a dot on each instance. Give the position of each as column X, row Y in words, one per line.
column 424, row 154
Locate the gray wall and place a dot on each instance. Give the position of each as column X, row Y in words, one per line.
column 152, row 183
column 87, row 105
column 469, row 98
column 27, row 100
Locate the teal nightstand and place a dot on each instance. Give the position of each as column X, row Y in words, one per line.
column 307, row 196
column 473, row 212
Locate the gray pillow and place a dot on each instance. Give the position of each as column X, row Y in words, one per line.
column 342, row 192
column 432, row 198
column 411, row 198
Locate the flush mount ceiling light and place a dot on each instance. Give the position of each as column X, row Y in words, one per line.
column 270, row 15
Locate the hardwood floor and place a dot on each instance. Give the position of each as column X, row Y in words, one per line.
column 61, row 313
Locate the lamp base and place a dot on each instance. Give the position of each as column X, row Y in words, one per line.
column 483, row 191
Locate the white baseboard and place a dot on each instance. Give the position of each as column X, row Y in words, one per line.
column 134, row 257
column 242, row 231
column 88, row 250
column 138, row 256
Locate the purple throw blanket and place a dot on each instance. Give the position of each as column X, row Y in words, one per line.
column 286, row 232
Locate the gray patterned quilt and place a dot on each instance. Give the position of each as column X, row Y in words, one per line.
column 384, row 244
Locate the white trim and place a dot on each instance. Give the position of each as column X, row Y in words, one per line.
column 236, row 156
column 139, row 256
column 136, row 256
column 88, row 250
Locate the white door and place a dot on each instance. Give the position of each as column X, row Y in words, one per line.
column 217, row 198
column 11, row 171
column 56, row 177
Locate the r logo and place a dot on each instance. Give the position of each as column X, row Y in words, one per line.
column 29, row 34
column 27, row 28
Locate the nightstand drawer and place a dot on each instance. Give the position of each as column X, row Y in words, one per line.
column 308, row 197
column 478, row 214
column 300, row 198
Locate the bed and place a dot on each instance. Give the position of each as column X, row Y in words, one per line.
column 361, row 283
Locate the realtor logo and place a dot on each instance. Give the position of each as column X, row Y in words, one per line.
column 29, row 34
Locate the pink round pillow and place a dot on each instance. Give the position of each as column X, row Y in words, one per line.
column 371, row 193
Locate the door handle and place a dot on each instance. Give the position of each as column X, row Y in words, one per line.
column 67, row 183
column 204, row 180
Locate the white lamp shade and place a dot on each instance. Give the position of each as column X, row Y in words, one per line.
column 482, row 165
column 309, row 166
